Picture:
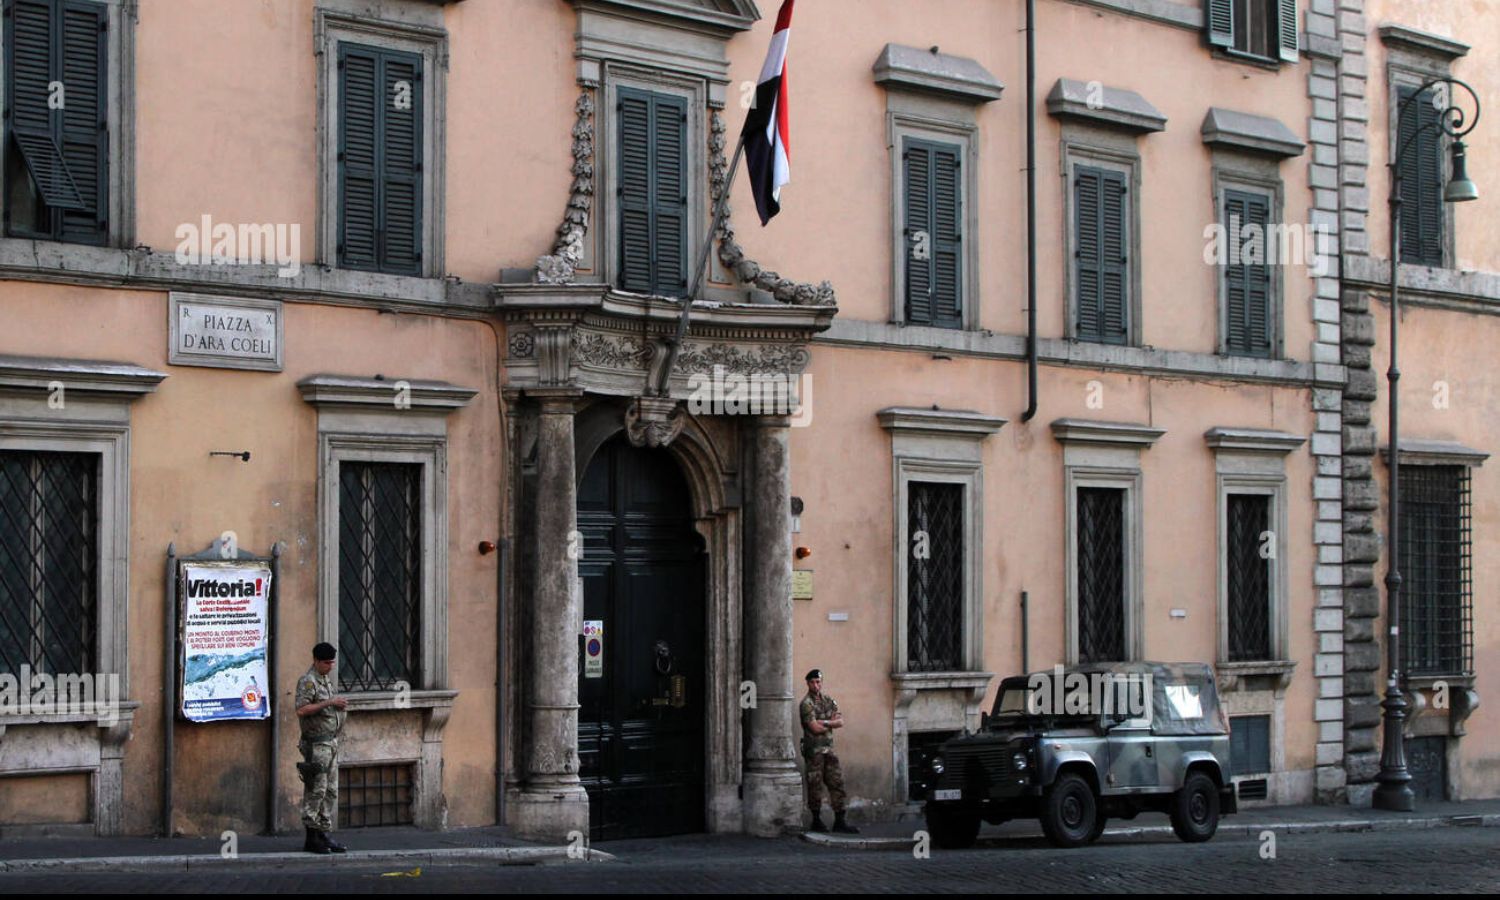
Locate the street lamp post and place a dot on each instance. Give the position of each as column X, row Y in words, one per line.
column 1394, row 789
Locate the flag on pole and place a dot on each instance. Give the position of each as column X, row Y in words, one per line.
column 767, row 132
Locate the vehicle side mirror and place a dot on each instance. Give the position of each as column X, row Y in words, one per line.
column 984, row 720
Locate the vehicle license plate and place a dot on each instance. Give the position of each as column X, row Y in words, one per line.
column 948, row 794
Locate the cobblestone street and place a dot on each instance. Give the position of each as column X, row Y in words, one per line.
column 1438, row 860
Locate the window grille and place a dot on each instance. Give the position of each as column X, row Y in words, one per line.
column 1249, row 575
column 49, row 533
column 935, row 577
column 1101, row 574
column 380, row 574
column 1437, row 635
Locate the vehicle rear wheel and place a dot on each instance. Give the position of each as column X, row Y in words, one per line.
column 952, row 826
column 1070, row 812
column 1195, row 809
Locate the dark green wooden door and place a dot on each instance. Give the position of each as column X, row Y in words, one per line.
column 641, row 717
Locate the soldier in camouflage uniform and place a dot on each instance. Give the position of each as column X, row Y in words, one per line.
column 820, row 715
column 321, row 716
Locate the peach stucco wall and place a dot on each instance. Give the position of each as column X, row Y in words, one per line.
column 180, row 494
column 849, row 521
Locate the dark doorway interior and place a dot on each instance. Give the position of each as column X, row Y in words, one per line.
column 641, row 721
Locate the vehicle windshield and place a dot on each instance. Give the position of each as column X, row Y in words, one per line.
column 1011, row 701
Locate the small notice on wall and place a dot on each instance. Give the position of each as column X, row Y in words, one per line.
column 802, row 584
column 593, row 648
column 224, row 640
column 225, row 332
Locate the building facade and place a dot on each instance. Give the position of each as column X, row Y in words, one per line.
column 384, row 292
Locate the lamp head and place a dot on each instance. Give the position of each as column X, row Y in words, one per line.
column 1459, row 187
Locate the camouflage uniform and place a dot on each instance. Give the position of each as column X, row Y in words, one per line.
column 817, row 749
column 320, row 749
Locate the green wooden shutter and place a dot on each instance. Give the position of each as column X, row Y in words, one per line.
column 380, row 160
column 1286, row 29
column 401, row 163
column 1421, row 180
column 84, row 132
column 652, row 192
column 359, row 128
column 932, row 186
column 947, row 237
column 917, row 189
column 669, row 195
column 1247, row 275
column 634, row 190
column 1101, row 262
column 66, row 150
column 1219, row 18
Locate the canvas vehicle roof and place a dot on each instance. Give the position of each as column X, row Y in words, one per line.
column 1185, row 697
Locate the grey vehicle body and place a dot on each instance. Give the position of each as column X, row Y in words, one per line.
column 1136, row 746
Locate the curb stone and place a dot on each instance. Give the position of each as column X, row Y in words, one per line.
column 202, row 862
column 1247, row 830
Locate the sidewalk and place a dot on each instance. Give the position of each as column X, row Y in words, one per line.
column 1279, row 819
column 402, row 848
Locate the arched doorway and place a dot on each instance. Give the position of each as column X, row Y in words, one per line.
column 642, row 687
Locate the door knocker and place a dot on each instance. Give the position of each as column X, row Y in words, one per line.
column 664, row 662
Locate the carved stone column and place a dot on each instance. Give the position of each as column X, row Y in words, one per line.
column 773, row 786
column 552, row 801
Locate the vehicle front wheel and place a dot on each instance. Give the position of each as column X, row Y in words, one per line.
column 952, row 826
column 1195, row 809
column 1099, row 822
column 1070, row 812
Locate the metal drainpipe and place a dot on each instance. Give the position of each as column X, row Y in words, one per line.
column 1031, row 387
column 1025, row 633
column 273, row 786
column 168, row 689
column 503, row 569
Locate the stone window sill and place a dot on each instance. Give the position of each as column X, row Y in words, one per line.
column 1428, row 682
column 376, row 701
column 942, row 681
column 1234, row 674
column 124, row 712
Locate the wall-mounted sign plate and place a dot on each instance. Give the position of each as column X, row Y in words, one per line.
column 224, row 332
column 802, row 584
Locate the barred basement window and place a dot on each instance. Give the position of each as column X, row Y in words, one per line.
column 49, row 532
column 374, row 795
column 1437, row 636
column 1250, row 744
column 935, row 576
column 380, row 583
column 1249, row 577
column 1101, row 574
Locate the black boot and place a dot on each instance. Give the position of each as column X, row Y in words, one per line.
column 817, row 822
column 840, row 826
column 332, row 844
column 314, row 842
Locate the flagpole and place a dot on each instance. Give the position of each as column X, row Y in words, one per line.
column 720, row 206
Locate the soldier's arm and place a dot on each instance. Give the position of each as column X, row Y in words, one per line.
column 837, row 719
column 306, row 706
column 808, row 722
